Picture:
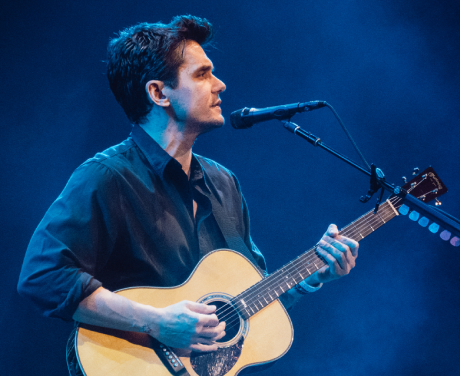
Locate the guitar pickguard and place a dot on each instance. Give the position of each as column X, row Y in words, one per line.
column 216, row 363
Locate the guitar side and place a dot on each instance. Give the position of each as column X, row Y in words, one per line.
column 269, row 334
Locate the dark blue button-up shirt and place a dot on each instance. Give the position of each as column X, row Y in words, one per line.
column 124, row 219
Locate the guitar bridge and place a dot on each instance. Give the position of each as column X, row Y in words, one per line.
column 170, row 360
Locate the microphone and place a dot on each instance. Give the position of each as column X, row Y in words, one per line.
column 247, row 117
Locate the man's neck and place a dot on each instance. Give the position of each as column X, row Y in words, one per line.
column 174, row 141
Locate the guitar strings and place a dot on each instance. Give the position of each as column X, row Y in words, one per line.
column 290, row 267
column 232, row 320
column 310, row 255
column 287, row 269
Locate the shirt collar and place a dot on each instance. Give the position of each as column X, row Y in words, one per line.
column 159, row 159
column 155, row 154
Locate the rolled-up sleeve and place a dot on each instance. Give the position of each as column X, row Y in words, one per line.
column 72, row 242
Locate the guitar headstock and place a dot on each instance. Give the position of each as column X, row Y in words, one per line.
column 426, row 186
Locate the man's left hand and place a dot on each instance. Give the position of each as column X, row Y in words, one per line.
column 339, row 252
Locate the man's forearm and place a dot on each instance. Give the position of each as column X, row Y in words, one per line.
column 184, row 325
column 107, row 309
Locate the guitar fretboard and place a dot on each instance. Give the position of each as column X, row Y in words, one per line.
column 257, row 297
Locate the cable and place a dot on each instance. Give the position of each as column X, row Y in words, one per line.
column 348, row 134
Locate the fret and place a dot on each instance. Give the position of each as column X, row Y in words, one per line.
column 398, row 204
column 267, row 290
column 366, row 231
column 241, row 307
column 357, row 232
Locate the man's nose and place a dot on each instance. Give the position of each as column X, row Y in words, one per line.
column 220, row 86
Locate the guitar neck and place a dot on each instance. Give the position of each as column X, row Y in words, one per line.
column 260, row 295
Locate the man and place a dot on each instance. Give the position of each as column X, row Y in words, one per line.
column 144, row 212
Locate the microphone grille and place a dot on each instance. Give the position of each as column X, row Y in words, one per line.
column 237, row 120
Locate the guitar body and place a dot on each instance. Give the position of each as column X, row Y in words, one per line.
column 221, row 275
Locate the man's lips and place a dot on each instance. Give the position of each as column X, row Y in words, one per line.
column 217, row 104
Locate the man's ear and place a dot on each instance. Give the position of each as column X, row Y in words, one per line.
column 154, row 89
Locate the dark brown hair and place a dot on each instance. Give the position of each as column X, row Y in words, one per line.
column 147, row 52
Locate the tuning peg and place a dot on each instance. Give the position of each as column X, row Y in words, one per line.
column 416, row 170
column 404, row 179
column 438, row 203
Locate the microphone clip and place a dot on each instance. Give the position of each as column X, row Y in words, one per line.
column 377, row 179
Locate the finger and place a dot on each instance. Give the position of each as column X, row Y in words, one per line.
column 199, row 347
column 343, row 244
column 212, row 332
column 220, row 336
column 208, row 320
column 203, row 341
column 332, row 231
column 207, row 340
column 201, row 308
column 335, row 268
column 331, row 261
column 352, row 244
column 209, row 335
column 351, row 260
column 336, row 243
column 337, row 254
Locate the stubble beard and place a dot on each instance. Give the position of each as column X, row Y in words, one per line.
column 208, row 126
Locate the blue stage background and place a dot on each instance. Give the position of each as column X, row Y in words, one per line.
column 391, row 70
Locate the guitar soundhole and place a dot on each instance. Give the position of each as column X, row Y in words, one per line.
column 226, row 312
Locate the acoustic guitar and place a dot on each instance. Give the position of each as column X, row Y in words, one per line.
column 258, row 329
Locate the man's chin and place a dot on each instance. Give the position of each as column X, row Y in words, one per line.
column 211, row 125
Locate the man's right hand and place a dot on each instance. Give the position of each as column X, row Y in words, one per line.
column 184, row 325
column 187, row 325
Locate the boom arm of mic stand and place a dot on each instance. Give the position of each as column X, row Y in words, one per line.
column 411, row 201
column 316, row 141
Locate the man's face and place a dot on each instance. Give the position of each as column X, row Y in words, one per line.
column 195, row 100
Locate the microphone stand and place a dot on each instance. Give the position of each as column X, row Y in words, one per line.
column 378, row 182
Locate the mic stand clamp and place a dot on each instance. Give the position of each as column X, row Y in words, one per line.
column 377, row 178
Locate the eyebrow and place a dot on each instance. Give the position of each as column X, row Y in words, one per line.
column 205, row 68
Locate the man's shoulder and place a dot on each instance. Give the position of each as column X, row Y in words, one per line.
column 109, row 164
column 114, row 155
